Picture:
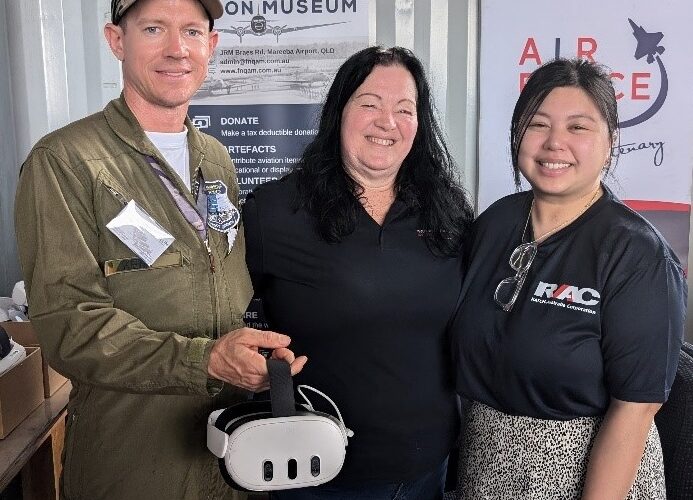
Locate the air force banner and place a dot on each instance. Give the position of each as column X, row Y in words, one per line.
column 647, row 45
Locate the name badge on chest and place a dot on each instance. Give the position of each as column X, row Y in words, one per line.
column 222, row 215
column 140, row 232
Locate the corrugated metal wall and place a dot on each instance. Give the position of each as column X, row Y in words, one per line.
column 443, row 35
column 9, row 272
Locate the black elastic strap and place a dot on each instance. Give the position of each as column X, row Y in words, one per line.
column 281, row 388
column 241, row 410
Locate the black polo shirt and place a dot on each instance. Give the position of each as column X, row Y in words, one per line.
column 371, row 314
column 601, row 314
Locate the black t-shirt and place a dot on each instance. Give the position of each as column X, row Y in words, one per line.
column 370, row 313
column 601, row 314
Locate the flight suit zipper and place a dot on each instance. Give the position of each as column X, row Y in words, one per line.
column 213, row 283
column 216, row 327
column 118, row 196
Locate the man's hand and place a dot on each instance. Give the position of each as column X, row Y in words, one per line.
column 235, row 358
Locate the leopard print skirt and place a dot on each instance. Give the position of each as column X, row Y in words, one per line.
column 512, row 457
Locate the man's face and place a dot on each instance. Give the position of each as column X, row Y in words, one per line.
column 165, row 46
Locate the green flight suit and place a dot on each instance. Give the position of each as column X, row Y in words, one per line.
column 134, row 343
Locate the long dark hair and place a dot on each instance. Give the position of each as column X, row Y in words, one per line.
column 588, row 76
column 425, row 182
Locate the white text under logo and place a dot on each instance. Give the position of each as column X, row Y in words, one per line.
column 568, row 296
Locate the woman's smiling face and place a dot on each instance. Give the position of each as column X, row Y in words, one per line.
column 379, row 121
column 566, row 145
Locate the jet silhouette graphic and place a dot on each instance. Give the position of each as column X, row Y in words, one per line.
column 648, row 43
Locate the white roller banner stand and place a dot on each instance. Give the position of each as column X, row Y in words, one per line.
column 648, row 47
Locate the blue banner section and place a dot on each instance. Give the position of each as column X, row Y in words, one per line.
column 264, row 140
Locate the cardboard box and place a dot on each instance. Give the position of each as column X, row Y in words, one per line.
column 24, row 333
column 21, row 390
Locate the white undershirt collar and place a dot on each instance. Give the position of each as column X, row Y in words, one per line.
column 173, row 146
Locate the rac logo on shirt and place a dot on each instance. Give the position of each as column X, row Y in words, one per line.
column 567, row 296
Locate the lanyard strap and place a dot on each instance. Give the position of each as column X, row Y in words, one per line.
column 189, row 212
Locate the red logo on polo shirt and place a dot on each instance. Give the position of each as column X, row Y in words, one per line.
column 565, row 295
column 568, row 293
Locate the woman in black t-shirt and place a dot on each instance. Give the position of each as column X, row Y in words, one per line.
column 571, row 320
column 356, row 256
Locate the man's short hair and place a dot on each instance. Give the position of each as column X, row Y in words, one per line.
column 213, row 8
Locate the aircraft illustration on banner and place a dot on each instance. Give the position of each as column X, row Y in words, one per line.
column 258, row 26
column 648, row 43
column 218, row 85
column 305, row 80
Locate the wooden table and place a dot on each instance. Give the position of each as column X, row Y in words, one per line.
column 35, row 447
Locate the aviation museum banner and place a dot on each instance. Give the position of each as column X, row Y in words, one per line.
column 647, row 45
column 269, row 75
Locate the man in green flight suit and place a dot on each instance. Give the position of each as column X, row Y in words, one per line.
column 133, row 259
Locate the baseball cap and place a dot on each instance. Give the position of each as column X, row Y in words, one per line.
column 118, row 7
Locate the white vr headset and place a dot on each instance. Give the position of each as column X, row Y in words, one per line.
column 11, row 353
column 277, row 444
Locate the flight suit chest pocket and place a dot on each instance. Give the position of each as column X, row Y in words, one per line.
column 160, row 295
column 109, row 199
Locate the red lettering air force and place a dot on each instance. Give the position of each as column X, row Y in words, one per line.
column 586, row 47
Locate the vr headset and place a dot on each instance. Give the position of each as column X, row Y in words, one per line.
column 277, row 444
column 11, row 353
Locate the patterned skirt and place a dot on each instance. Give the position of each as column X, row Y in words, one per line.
column 512, row 457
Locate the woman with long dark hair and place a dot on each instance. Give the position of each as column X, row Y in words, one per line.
column 572, row 313
column 356, row 255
